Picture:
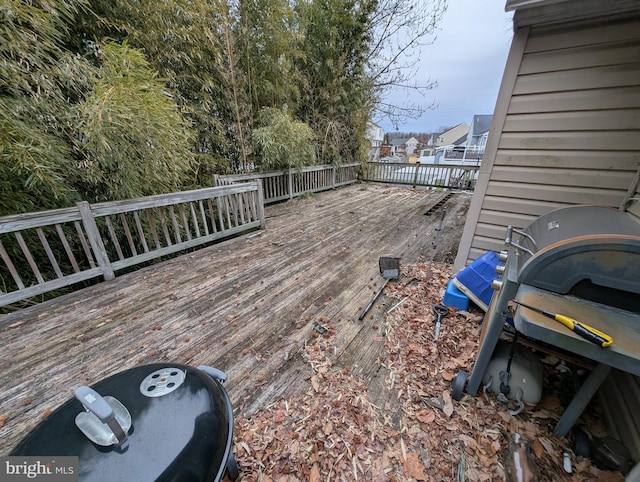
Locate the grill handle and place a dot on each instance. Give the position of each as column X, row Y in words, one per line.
column 93, row 402
column 508, row 241
column 214, row 373
column 507, row 237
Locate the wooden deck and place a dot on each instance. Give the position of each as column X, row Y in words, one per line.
column 245, row 306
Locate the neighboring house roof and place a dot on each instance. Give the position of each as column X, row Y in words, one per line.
column 480, row 125
column 399, row 142
column 460, row 141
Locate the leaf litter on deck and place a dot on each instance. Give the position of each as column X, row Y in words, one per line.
column 334, row 432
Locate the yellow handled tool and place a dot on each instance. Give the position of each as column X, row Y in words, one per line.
column 585, row 331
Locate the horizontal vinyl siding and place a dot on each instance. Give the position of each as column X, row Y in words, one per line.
column 570, row 140
column 566, row 37
column 554, row 193
column 603, row 121
column 576, row 101
column 593, row 79
column 603, row 160
column 571, row 134
column 588, row 57
column 576, row 178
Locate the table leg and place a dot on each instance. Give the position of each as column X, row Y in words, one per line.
column 581, row 399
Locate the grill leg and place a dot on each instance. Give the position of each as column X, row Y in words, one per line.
column 492, row 326
column 581, row 399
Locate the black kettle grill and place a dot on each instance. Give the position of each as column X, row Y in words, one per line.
column 159, row 422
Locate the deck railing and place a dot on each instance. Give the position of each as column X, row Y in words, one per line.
column 54, row 249
column 290, row 183
column 428, row 175
column 50, row 250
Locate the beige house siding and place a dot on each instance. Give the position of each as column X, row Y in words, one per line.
column 449, row 137
column 566, row 129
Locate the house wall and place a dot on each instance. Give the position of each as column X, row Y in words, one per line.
column 566, row 128
column 453, row 134
column 565, row 131
column 411, row 144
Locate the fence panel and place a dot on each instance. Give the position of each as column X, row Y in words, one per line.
column 427, row 175
column 45, row 251
column 287, row 184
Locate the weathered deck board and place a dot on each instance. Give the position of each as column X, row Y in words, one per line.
column 239, row 305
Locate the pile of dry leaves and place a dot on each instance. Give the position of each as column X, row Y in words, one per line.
column 335, row 433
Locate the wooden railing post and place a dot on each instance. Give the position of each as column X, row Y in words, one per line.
column 333, row 177
column 91, row 228
column 290, row 184
column 415, row 175
column 261, row 203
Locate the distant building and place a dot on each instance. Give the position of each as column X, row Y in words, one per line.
column 404, row 146
column 452, row 135
column 411, row 145
column 375, row 134
column 399, row 146
column 479, row 131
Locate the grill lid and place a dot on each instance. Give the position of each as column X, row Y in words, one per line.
column 569, row 246
column 185, row 434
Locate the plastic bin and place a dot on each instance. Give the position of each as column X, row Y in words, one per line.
column 475, row 280
column 454, row 297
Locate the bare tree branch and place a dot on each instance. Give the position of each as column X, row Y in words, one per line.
column 400, row 29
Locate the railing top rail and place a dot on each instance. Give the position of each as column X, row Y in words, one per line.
column 466, row 167
column 19, row 222
column 249, row 176
column 324, row 167
column 113, row 207
column 259, row 175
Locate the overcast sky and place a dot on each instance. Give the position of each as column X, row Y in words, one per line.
column 467, row 60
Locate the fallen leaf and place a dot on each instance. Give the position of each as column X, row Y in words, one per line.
column 413, row 466
column 468, row 441
column 314, row 475
column 448, row 375
column 448, row 403
column 537, row 448
column 426, row 416
column 289, row 478
column 548, row 446
column 314, row 383
column 294, row 447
